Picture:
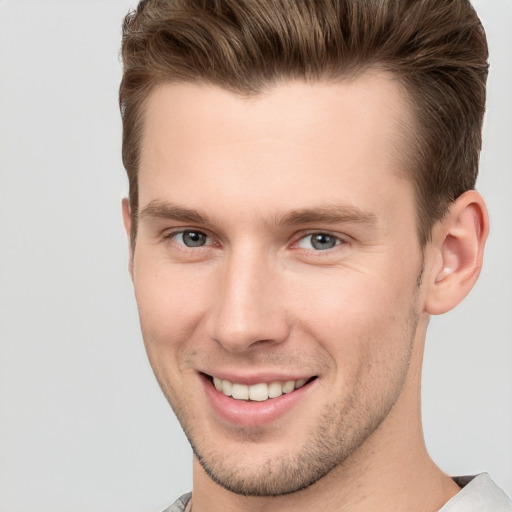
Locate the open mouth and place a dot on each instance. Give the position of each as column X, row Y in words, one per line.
column 257, row 392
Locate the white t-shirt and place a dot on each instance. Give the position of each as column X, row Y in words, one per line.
column 478, row 494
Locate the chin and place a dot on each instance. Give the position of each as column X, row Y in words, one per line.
column 258, row 470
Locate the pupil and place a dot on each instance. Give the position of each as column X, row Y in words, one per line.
column 194, row 239
column 323, row 241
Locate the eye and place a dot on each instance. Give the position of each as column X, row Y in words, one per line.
column 319, row 241
column 190, row 238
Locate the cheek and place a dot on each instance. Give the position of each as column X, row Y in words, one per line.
column 340, row 304
column 170, row 310
column 360, row 320
column 171, row 303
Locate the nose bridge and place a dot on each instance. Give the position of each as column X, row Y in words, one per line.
column 247, row 308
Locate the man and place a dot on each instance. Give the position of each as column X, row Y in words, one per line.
column 301, row 201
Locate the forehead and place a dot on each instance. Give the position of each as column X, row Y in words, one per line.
column 316, row 141
column 374, row 99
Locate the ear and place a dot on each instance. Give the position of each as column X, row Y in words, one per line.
column 127, row 221
column 457, row 247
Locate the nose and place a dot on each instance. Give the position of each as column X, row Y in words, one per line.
column 248, row 309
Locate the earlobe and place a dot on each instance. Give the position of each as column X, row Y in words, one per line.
column 127, row 221
column 457, row 247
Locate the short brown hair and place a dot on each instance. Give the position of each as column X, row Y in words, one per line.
column 435, row 48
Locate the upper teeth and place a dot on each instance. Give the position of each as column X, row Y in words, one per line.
column 258, row 392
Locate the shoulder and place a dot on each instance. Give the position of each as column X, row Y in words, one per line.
column 478, row 494
column 180, row 504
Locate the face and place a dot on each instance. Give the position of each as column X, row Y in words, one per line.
column 276, row 271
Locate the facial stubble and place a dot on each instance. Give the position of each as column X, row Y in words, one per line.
column 335, row 439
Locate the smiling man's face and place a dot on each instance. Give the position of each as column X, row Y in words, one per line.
column 277, row 260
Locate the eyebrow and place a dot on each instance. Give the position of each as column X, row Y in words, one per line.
column 168, row 211
column 330, row 214
column 335, row 214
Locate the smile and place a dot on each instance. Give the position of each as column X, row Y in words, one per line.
column 257, row 392
column 252, row 401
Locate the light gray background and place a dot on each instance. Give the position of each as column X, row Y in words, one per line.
column 83, row 425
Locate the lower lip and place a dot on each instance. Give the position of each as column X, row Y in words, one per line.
column 252, row 413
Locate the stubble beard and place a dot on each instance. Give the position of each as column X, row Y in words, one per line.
column 340, row 431
column 328, row 448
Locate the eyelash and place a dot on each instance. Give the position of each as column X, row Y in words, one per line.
column 170, row 235
column 296, row 244
column 336, row 238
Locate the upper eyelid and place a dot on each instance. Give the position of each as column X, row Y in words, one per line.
column 169, row 232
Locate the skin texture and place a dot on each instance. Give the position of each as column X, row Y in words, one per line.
column 255, row 300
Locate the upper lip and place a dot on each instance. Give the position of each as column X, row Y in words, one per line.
column 256, row 377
